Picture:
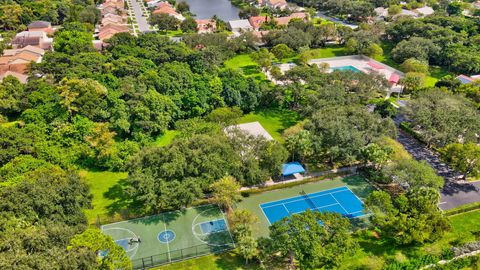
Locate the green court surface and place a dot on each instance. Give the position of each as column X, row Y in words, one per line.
column 252, row 203
column 172, row 236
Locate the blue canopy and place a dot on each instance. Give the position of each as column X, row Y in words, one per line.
column 291, row 168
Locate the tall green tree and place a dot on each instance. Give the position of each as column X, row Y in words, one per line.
column 164, row 22
column 314, row 239
column 409, row 218
column 226, row 192
column 114, row 256
column 464, row 158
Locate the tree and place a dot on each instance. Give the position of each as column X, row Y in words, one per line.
column 188, row 25
column 300, row 145
column 264, row 58
column 85, row 97
column 164, row 22
column 95, row 241
column 10, row 15
column 314, row 239
column 408, row 218
column 247, row 247
column 376, row 154
column 443, row 118
column 463, row 157
column 410, row 174
column 225, row 115
column 455, row 8
column 183, row 7
column 281, row 51
column 412, row 81
column 386, row 109
column 12, row 96
column 341, row 132
column 248, row 12
column 226, row 192
column 73, row 42
column 394, row 10
column 242, row 223
column 416, row 47
column 414, row 65
column 373, row 50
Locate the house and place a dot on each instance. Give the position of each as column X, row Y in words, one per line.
column 110, row 30
column 166, row 8
column 31, row 49
column 21, row 77
column 424, row 11
column 239, row 26
column 113, row 19
column 257, row 21
column 18, row 60
column 381, row 12
column 275, row 4
column 33, row 38
column 476, row 5
column 116, row 4
column 464, row 79
column 43, row 26
column 206, row 26
column 297, row 15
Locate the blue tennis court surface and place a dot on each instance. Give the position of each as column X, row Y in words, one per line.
column 213, row 226
column 123, row 243
column 340, row 200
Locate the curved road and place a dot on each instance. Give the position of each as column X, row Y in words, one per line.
column 455, row 192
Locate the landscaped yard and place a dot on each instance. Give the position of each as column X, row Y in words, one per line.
column 275, row 121
column 101, row 184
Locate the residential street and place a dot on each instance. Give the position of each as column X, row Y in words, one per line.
column 139, row 9
column 455, row 192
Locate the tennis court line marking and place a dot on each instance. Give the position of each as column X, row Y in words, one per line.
column 168, row 245
column 314, row 208
column 263, row 211
column 309, row 195
column 160, row 214
column 135, row 249
column 301, row 199
column 340, row 205
column 226, row 223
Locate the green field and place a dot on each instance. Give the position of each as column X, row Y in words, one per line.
column 251, row 203
column 102, row 185
column 245, row 63
column 274, row 121
column 166, row 138
column 172, row 236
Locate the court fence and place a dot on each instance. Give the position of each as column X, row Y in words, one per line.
column 180, row 255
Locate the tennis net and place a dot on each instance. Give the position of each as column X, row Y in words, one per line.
column 309, row 201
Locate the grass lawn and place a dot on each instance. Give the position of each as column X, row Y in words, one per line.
column 100, row 184
column 225, row 261
column 275, row 121
column 436, row 72
column 166, row 138
column 245, row 63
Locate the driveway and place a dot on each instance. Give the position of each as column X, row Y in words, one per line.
column 335, row 20
column 455, row 192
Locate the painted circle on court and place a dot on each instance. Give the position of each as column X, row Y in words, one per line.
column 166, row 236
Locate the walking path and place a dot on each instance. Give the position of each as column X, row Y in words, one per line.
column 455, row 192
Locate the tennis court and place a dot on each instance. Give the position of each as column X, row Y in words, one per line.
column 340, row 200
column 172, row 236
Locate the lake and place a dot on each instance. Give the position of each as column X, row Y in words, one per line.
column 205, row 9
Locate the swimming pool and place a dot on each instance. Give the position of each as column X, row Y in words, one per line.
column 345, row 68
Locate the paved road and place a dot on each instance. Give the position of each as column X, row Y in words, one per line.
column 138, row 10
column 335, row 20
column 455, row 191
